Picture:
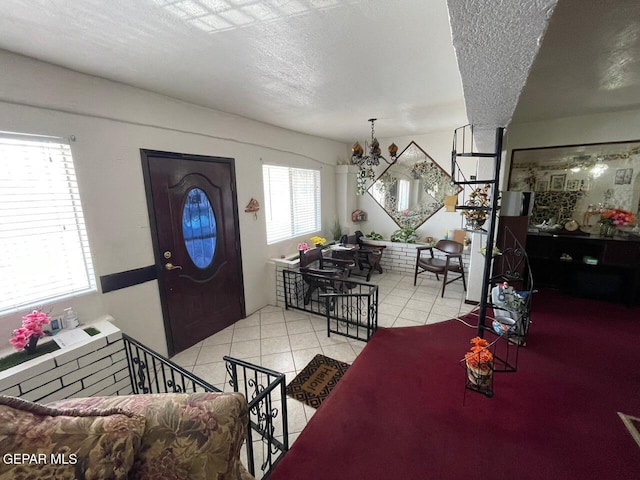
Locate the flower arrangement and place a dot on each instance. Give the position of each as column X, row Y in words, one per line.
column 303, row 246
column 31, row 328
column 318, row 241
column 478, row 198
column 617, row 217
column 479, row 357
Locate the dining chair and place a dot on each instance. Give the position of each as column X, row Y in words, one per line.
column 323, row 273
column 449, row 260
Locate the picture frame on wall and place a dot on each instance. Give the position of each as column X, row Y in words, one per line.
column 557, row 182
column 573, row 185
column 542, row 185
column 623, row 176
column 628, row 175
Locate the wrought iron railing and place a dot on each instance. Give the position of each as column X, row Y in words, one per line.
column 264, row 390
column 350, row 307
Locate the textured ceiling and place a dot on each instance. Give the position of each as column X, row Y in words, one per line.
column 496, row 43
column 589, row 62
column 324, row 67
column 316, row 66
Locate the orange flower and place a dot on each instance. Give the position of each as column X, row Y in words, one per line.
column 479, row 356
column 616, row 216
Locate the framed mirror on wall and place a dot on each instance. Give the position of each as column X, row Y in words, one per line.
column 413, row 188
column 578, row 182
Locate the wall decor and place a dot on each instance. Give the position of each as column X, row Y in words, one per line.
column 594, row 176
column 413, row 188
column 623, row 176
column 542, row 186
column 557, row 183
column 573, row 185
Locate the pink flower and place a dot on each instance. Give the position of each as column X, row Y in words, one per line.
column 303, row 246
column 31, row 326
column 19, row 341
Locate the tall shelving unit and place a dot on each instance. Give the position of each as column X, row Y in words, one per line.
column 513, row 266
column 463, row 151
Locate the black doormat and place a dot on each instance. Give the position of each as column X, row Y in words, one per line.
column 316, row 380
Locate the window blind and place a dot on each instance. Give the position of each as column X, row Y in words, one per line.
column 292, row 201
column 43, row 239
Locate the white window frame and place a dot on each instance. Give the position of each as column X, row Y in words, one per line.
column 43, row 237
column 292, row 202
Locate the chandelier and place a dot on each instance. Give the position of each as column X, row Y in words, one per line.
column 360, row 157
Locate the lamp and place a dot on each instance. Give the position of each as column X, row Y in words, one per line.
column 360, row 157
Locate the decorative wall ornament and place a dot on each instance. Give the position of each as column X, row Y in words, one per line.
column 253, row 207
column 413, row 188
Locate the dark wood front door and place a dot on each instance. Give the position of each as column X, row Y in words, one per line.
column 194, row 220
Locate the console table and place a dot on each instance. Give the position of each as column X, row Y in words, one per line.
column 587, row 265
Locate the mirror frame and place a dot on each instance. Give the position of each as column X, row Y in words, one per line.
column 398, row 216
column 575, row 182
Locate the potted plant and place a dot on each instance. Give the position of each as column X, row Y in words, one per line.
column 26, row 337
column 478, row 198
column 404, row 235
column 479, row 363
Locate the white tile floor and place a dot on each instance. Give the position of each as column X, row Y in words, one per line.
column 286, row 340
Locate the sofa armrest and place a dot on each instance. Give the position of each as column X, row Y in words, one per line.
column 195, row 436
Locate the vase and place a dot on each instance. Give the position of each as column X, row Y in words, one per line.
column 32, row 344
column 480, row 377
column 607, row 230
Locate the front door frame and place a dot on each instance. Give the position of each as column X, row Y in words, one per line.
column 157, row 253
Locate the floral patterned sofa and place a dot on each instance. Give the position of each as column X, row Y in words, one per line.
column 158, row 436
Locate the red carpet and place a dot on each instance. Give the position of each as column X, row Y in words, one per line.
column 398, row 413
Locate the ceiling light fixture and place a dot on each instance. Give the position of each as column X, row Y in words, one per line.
column 360, row 157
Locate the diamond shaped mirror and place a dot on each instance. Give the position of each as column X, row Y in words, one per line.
column 413, row 188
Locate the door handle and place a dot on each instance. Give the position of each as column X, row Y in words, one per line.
column 171, row 266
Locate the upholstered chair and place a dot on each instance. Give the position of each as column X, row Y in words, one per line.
column 449, row 260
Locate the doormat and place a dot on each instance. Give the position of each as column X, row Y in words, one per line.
column 314, row 383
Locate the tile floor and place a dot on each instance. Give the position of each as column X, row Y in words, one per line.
column 286, row 340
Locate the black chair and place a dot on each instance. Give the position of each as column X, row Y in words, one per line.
column 322, row 273
column 451, row 250
column 367, row 256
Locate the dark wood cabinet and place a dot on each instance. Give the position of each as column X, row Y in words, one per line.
column 591, row 266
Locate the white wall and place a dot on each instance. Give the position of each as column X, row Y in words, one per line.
column 438, row 146
column 111, row 123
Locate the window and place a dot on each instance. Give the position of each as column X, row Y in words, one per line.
column 292, row 201
column 403, row 195
column 44, row 251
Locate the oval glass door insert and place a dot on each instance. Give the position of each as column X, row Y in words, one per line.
column 199, row 228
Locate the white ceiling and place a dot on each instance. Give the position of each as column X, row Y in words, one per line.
column 324, row 67
column 588, row 63
column 317, row 66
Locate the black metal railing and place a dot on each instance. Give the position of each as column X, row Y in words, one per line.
column 350, row 307
column 151, row 372
column 264, row 390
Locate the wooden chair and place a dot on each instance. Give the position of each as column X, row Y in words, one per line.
column 368, row 255
column 322, row 273
column 451, row 250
